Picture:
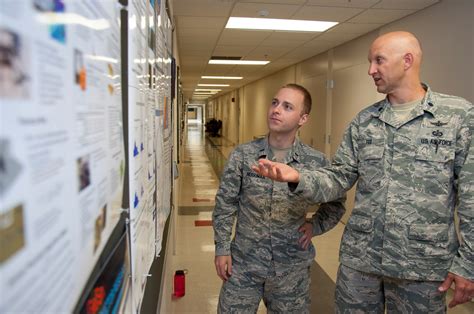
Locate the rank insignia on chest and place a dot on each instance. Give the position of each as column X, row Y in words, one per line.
column 438, row 123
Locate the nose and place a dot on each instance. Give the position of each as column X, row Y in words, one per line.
column 275, row 109
column 372, row 69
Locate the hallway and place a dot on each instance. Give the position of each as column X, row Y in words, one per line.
column 202, row 163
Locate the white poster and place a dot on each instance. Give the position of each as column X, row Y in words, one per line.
column 61, row 148
column 163, row 119
column 142, row 152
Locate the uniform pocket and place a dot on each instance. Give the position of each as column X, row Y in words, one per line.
column 357, row 235
column 439, row 154
column 428, row 245
column 371, row 171
column 434, row 166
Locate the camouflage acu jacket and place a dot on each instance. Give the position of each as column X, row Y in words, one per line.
column 268, row 215
column 411, row 177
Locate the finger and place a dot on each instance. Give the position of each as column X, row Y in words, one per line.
column 265, row 162
column 262, row 169
column 278, row 173
column 220, row 274
column 224, row 274
column 229, row 268
column 306, row 246
column 446, row 283
column 219, row 271
column 222, row 271
column 268, row 166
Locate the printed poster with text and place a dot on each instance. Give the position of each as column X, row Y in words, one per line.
column 163, row 122
column 142, row 152
column 61, row 148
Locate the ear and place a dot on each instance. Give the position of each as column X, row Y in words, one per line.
column 303, row 119
column 408, row 60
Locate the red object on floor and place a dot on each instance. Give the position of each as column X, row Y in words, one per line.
column 202, row 223
column 195, row 199
column 179, row 283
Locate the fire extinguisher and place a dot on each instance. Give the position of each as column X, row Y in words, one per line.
column 180, row 283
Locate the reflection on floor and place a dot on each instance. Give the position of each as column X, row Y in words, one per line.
column 202, row 159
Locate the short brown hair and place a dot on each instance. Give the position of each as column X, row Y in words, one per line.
column 306, row 96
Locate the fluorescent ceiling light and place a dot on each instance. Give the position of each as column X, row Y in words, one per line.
column 242, row 62
column 279, row 24
column 207, row 90
column 218, row 85
column 222, row 77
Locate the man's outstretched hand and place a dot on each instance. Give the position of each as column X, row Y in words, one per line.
column 276, row 171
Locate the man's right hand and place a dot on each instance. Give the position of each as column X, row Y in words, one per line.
column 276, row 171
column 223, row 266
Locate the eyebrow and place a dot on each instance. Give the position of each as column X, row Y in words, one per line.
column 282, row 102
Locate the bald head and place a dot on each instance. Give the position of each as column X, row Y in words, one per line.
column 400, row 43
column 395, row 60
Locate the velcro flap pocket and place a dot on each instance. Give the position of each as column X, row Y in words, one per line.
column 361, row 223
column 428, row 232
column 430, row 153
column 371, row 148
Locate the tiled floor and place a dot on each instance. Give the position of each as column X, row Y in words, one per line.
column 194, row 249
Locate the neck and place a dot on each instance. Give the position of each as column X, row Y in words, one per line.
column 281, row 141
column 406, row 94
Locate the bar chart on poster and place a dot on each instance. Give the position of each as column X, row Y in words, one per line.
column 65, row 170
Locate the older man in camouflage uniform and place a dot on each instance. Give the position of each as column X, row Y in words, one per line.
column 271, row 252
column 414, row 158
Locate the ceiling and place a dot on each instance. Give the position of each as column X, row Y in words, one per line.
column 201, row 33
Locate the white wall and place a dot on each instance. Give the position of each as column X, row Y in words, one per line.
column 445, row 31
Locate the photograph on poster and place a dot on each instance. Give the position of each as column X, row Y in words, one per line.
column 56, row 31
column 99, row 227
column 12, row 232
column 79, row 69
column 10, row 167
column 110, row 71
column 84, row 172
column 97, row 233
column 14, row 81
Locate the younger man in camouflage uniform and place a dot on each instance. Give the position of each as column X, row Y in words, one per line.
column 271, row 252
column 414, row 158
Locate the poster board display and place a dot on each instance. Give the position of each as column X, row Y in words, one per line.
column 163, row 118
column 61, row 141
column 142, row 152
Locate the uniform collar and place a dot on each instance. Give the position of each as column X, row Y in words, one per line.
column 266, row 152
column 428, row 104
